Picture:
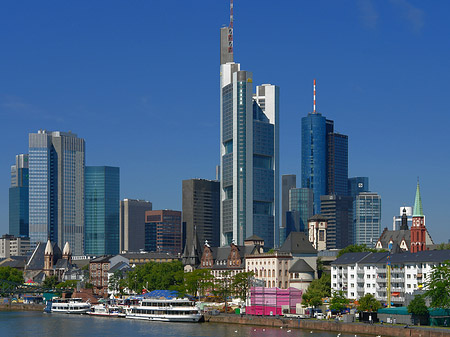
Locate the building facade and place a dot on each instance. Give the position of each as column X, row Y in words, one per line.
column 337, row 164
column 132, row 224
column 18, row 197
column 163, row 231
column 14, row 246
column 56, row 188
column 367, row 218
column 301, row 201
column 288, row 181
column 102, row 206
column 357, row 185
column 339, row 211
column 201, row 211
column 249, row 153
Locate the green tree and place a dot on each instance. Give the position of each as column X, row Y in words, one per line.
column 339, row 302
column 241, row 284
column 438, row 286
column 317, row 290
column 50, row 282
column 368, row 303
column 197, row 282
column 11, row 274
column 358, row 249
column 418, row 306
column 72, row 284
column 443, row 246
column 115, row 283
column 224, row 287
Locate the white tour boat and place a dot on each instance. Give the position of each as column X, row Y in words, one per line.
column 106, row 311
column 68, row 306
column 170, row 310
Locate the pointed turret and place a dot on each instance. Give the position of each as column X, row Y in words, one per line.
column 418, row 211
column 66, row 252
column 48, row 248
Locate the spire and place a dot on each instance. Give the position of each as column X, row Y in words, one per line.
column 314, row 97
column 418, row 211
column 66, row 250
column 48, row 248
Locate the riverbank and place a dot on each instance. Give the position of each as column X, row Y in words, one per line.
column 21, row 307
column 323, row 325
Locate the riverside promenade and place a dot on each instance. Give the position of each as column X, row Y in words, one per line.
column 324, row 325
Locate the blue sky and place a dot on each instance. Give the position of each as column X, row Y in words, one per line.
column 139, row 81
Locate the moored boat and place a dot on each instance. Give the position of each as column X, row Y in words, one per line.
column 106, row 311
column 169, row 310
column 67, row 306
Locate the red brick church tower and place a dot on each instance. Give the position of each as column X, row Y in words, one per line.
column 418, row 230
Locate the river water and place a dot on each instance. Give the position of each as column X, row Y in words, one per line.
column 26, row 323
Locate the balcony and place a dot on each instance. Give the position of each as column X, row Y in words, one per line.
column 360, row 289
column 398, row 289
column 398, row 279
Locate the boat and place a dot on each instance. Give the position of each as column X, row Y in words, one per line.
column 67, row 306
column 168, row 310
column 106, row 311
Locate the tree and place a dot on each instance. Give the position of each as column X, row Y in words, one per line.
column 438, row 286
column 50, row 282
column 418, row 306
column 224, row 287
column 317, row 290
column 339, row 302
column 197, row 282
column 11, row 274
column 368, row 303
column 114, row 283
column 241, row 284
column 443, row 246
column 72, row 284
column 358, row 249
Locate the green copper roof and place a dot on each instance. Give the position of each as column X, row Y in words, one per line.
column 418, row 211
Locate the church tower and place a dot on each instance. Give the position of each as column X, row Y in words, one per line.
column 418, row 230
column 48, row 259
column 67, row 254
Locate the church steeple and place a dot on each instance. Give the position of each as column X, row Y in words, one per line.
column 418, row 211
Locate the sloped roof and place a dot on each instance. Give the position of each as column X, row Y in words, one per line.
column 36, row 260
column 119, row 266
column 254, row 237
column 298, row 243
column 318, row 217
column 17, row 262
column 301, row 267
column 351, row 258
column 395, row 236
column 405, row 257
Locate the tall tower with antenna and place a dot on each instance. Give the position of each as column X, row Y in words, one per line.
column 226, row 40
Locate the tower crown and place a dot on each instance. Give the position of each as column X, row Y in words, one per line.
column 48, row 248
column 66, row 250
column 418, row 211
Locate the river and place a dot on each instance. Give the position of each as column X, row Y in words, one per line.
column 27, row 323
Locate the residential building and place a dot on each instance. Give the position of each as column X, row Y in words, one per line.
column 56, row 188
column 98, row 272
column 163, row 231
column 337, row 164
column 338, row 210
column 13, row 246
column 132, row 224
column 367, row 218
column 102, row 208
column 358, row 274
column 249, row 152
column 201, row 211
column 18, row 197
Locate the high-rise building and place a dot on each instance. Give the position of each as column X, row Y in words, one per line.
column 201, row 211
column 357, row 185
column 338, row 210
column 249, row 152
column 56, row 188
column 337, row 164
column 367, row 218
column 132, row 224
column 18, row 197
column 288, row 181
column 102, row 205
column 301, row 203
column 163, row 231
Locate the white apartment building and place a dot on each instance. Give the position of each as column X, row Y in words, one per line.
column 13, row 246
column 358, row 274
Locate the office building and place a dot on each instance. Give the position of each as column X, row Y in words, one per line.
column 367, row 218
column 301, row 206
column 337, row 164
column 56, row 189
column 163, row 231
column 132, row 224
column 18, row 197
column 288, row 181
column 249, row 152
column 201, row 211
column 13, row 246
column 338, row 210
column 357, row 185
column 399, row 219
column 102, row 204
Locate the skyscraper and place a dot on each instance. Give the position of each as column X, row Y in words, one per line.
column 357, row 185
column 163, row 231
column 132, row 224
column 367, row 218
column 288, row 181
column 338, row 210
column 102, row 204
column 56, row 188
column 249, row 152
column 301, row 202
column 201, row 211
column 18, row 197
column 337, row 164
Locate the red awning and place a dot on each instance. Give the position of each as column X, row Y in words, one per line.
column 395, row 294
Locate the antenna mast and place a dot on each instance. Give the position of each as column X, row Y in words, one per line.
column 230, row 30
column 314, row 96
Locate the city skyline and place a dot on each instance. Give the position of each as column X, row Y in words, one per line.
column 380, row 70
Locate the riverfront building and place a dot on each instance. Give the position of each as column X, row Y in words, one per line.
column 102, row 205
column 18, row 197
column 56, row 189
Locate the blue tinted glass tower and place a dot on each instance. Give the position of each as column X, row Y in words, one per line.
column 337, row 164
column 249, row 153
column 357, row 185
column 301, row 207
column 18, row 197
column 102, row 205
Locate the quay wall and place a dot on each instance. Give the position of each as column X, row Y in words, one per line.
column 21, row 307
column 322, row 325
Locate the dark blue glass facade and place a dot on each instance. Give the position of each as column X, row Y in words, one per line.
column 357, row 185
column 102, row 204
column 337, row 164
column 18, row 211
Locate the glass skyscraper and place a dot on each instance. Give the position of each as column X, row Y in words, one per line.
column 18, row 197
column 301, row 201
column 367, row 218
column 249, row 153
column 357, row 185
column 337, row 164
column 56, row 189
column 102, row 205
